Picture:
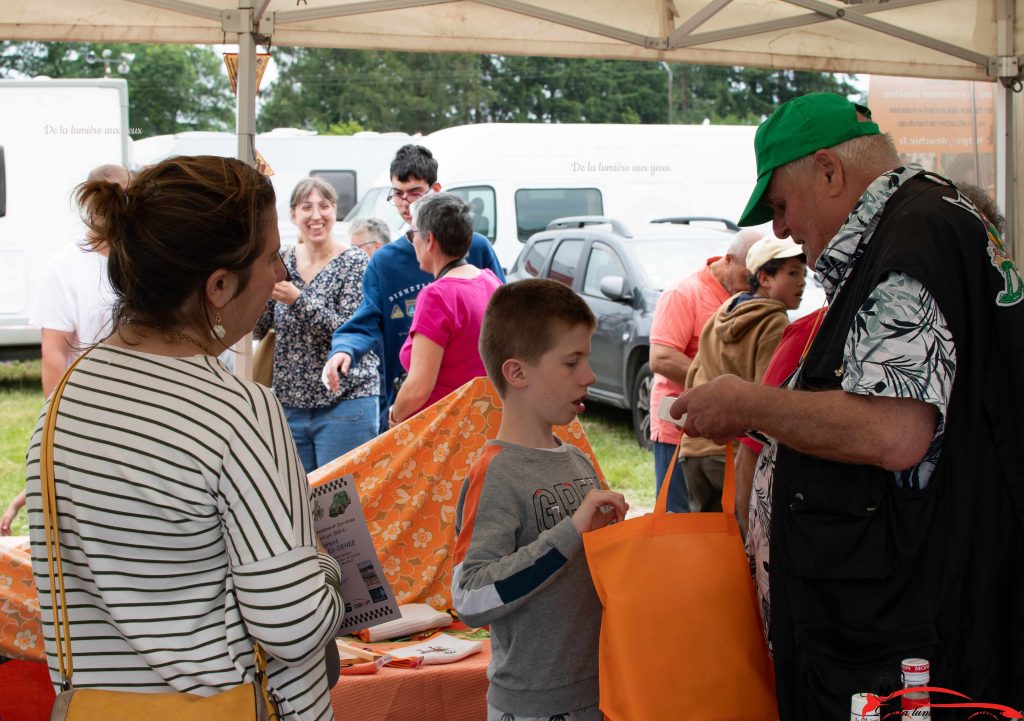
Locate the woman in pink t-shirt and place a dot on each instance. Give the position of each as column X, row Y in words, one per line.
column 441, row 352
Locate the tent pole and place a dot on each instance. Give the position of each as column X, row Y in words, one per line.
column 246, row 129
column 1008, row 139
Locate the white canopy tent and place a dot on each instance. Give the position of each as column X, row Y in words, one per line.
column 957, row 39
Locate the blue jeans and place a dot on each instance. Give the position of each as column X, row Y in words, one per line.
column 323, row 434
column 677, row 499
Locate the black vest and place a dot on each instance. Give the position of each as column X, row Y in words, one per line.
column 864, row 573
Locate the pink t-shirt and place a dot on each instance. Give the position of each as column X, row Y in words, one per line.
column 679, row 317
column 449, row 312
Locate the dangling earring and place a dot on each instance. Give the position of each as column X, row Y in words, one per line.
column 218, row 328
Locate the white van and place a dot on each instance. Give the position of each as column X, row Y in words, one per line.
column 52, row 133
column 348, row 162
column 520, row 176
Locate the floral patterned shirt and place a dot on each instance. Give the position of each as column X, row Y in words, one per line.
column 900, row 346
column 304, row 332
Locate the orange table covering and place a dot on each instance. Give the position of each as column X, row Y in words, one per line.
column 21, row 635
column 445, row 692
column 409, row 480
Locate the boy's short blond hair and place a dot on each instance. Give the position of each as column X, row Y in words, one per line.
column 523, row 321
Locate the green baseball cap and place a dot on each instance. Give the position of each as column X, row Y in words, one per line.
column 798, row 128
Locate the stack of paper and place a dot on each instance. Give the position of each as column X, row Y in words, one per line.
column 440, row 648
column 416, row 617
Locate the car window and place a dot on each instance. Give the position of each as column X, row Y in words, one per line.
column 344, row 184
column 534, row 260
column 481, row 202
column 603, row 262
column 563, row 265
column 668, row 261
column 375, row 205
column 537, row 207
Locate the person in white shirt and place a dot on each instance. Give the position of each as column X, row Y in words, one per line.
column 72, row 309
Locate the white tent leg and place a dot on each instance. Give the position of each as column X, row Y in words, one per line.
column 246, row 128
column 1008, row 154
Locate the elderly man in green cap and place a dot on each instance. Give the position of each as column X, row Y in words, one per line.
column 887, row 516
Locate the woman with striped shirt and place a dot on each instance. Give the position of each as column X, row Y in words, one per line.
column 183, row 508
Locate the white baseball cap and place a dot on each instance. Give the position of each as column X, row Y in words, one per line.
column 770, row 248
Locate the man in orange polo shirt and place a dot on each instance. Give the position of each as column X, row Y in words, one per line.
column 675, row 331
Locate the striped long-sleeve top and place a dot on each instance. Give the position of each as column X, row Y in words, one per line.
column 186, row 533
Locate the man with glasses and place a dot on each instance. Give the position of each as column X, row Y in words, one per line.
column 392, row 281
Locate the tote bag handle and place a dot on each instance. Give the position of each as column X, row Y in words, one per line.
column 728, row 482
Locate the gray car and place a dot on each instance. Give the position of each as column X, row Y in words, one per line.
column 620, row 273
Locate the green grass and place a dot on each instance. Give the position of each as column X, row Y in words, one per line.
column 20, row 400
column 628, row 468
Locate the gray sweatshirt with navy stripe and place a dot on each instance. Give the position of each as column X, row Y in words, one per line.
column 519, row 567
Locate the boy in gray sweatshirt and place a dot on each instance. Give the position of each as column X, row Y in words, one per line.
column 519, row 564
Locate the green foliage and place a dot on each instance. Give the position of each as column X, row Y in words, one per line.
column 573, row 90
column 171, row 88
column 347, row 128
column 386, row 91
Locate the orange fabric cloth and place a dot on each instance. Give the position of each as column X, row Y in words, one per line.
column 453, row 692
column 409, row 480
column 21, row 635
column 679, row 317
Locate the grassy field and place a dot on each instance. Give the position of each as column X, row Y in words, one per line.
column 20, row 401
column 628, row 468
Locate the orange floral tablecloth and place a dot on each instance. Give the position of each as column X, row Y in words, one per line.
column 21, row 636
column 409, row 480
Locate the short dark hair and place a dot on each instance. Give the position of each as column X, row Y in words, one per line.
column 446, row 216
column 524, row 319
column 176, row 223
column 771, row 268
column 414, row 161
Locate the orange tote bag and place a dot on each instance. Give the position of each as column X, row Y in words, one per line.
column 680, row 635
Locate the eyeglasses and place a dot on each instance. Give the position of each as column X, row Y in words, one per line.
column 410, row 233
column 408, row 196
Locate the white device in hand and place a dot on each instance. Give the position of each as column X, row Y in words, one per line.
column 664, row 406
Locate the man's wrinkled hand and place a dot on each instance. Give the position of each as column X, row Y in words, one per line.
column 713, row 409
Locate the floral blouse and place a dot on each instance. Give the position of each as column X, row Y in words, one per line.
column 304, row 331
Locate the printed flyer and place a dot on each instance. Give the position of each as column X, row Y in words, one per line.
column 341, row 526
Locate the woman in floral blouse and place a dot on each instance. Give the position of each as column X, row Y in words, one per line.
column 323, row 288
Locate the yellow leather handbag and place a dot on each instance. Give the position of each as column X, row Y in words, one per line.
column 246, row 702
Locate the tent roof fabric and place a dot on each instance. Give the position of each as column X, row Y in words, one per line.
column 923, row 38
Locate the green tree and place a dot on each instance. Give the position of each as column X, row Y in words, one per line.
column 385, row 91
column 573, row 90
column 319, row 89
column 171, row 88
column 744, row 95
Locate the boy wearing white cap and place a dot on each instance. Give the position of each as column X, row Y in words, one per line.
column 740, row 339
